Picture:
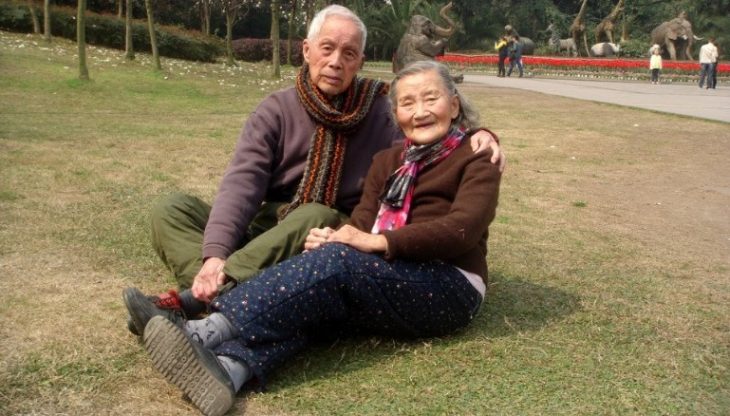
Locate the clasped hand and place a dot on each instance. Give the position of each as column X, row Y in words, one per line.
column 347, row 234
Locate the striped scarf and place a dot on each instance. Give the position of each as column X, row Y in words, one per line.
column 335, row 119
column 398, row 193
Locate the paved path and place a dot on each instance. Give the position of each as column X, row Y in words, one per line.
column 687, row 100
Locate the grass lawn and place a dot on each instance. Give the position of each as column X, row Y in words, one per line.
column 609, row 269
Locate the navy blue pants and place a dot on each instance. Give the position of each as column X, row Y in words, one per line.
column 337, row 288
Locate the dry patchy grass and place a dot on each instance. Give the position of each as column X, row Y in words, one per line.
column 610, row 275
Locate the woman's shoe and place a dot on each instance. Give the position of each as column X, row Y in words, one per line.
column 189, row 366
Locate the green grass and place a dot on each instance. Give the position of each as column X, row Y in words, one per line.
column 619, row 307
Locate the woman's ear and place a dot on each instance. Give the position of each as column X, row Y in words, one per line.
column 455, row 106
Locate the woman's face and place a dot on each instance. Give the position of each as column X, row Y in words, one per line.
column 424, row 108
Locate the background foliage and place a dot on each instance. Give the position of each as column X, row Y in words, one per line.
column 481, row 21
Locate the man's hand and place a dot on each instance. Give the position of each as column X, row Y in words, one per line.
column 483, row 139
column 210, row 276
column 369, row 243
column 317, row 237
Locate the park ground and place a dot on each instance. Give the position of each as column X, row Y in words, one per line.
column 609, row 267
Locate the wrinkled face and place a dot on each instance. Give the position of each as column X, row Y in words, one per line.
column 335, row 56
column 424, row 109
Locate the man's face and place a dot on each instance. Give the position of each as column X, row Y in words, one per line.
column 335, row 56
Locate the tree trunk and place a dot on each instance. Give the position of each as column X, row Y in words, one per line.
column 47, row 20
column 309, row 13
column 34, row 17
column 153, row 37
column 128, row 39
column 205, row 16
column 81, row 39
column 230, row 19
column 292, row 18
column 276, row 70
column 120, row 8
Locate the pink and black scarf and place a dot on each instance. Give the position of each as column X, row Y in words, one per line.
column 396, row 197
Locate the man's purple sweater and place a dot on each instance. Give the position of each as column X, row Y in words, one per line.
column 269, row 161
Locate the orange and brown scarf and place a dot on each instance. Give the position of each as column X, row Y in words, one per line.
column 336, row 119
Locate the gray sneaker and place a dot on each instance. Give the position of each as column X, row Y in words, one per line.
column 189, row 366
column 142, row 308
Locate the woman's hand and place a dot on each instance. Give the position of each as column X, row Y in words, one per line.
column 369, row 243
column 317, row 237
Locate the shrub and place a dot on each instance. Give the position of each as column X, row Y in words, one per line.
column 635, row 48
column 105, row 30
column 255, row 50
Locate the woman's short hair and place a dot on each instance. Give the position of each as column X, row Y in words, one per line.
column 468, row 117
column 336, row 10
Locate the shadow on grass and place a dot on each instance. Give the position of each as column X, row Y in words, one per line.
column 516, row 305
column 513, row 306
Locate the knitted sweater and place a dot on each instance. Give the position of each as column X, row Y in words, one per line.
column 269, row 160
column 453, row 203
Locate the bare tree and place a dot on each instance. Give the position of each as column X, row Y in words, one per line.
column 153, row 36
column 34, row 17
column 47, row 20
column 128, row 39
column 204, row 6
column 275, row 10
column 81, row 39
column 292, row 19
column 233, row 10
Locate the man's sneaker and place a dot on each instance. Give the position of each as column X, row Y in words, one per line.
column 188, row 365
column 142, row 308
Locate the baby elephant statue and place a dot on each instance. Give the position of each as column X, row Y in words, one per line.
column 605, row 49
column 424, row 40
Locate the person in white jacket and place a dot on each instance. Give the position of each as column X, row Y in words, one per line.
column 708, row 60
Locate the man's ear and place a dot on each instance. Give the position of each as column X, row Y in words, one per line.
column 305, row 50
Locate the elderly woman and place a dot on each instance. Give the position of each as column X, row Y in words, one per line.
column 411, row 262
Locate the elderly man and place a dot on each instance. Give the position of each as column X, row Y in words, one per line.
column 299, row 164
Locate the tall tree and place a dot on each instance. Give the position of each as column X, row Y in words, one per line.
column 34, row 17
column 128, row 38
column 275, row 10
column 47, row 20
column 291, row 30
column 204, row 6
column 233, row 10
column 153, row 36
column 81, row 39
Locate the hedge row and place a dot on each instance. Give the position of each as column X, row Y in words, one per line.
column 105, row 30
column 255, row 50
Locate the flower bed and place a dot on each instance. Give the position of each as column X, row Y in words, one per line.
column 606, row 68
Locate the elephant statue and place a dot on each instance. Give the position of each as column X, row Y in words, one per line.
column 605, row 49
column 424, row 40
column 675, row 37
column 528, row 45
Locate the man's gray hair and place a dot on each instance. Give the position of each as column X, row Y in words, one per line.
column 336, row 10
column 468, row 117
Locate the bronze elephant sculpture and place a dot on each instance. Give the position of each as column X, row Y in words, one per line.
column 424, row 40
column 675, row 37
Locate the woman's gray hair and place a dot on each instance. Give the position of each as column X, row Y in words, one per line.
column 336, row 10
column 468, row 117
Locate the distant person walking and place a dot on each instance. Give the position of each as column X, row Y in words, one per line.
column 502, row 48
column 708, row 60
column 655, row 64
column 515, row 56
